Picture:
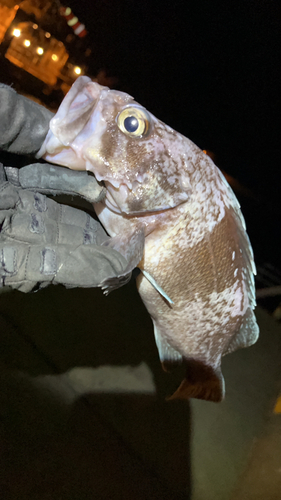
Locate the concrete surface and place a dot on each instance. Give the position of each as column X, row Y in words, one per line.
column 83, row 413
column 262, row 478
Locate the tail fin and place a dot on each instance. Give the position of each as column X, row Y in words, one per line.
column 201, row 382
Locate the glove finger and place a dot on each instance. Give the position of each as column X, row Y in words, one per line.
column 87, row 266
column 2, row 174
column 38, row 219
column 26, row 267
column 53, row 179
column 9, row 200
column 24, row 123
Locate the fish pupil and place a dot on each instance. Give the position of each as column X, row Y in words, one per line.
column 131, row 124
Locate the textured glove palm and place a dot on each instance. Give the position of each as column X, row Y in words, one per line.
column 42, row 241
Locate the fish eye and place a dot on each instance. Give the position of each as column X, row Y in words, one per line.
column 134, row 121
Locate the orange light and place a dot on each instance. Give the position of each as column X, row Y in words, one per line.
column 35, row 26
column 54, row 57
column 77, row 70
column 205, row 151
column 47, row 34
column 17, row 32
column 40, row 51
column 26, row 43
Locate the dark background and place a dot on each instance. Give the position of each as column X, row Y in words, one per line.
column 210, row 69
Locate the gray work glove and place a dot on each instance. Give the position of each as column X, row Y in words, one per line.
column 23, row 128
column 41, row 241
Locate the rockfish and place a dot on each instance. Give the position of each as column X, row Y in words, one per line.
column 171, row 213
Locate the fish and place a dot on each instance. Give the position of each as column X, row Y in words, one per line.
column 171, row 213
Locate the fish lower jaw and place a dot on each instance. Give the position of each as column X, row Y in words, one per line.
column 111, row 204
column 117, row 197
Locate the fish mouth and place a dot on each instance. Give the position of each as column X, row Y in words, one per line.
column 117, row 191
column 116, row 195
column 110, row 202
column 120, row 196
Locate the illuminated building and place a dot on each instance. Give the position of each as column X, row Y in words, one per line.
column 39, row 38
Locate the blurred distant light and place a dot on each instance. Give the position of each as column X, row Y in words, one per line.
column 40, row 51
column 77, row 70
column 72, row 21
column 47, row 34
column 16, row 32
column 205, row 151
column 35, row 26
column 80, row 30
column 26, row 43
column 54, row 57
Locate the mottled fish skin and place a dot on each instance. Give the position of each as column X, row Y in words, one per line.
column 196, row 248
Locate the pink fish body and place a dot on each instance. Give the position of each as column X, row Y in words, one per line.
column 170, row 212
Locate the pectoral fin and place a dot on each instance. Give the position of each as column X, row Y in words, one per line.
column 156, row 286
column 131, row 246
column 201, row 382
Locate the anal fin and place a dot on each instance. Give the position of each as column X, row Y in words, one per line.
column 167, row 354
column 201, row 382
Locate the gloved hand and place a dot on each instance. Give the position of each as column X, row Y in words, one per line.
column 23, row 128
column 41, row 241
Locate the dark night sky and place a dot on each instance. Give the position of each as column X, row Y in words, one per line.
column 210, row 69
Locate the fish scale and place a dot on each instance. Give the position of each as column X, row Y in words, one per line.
column 170, row 212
